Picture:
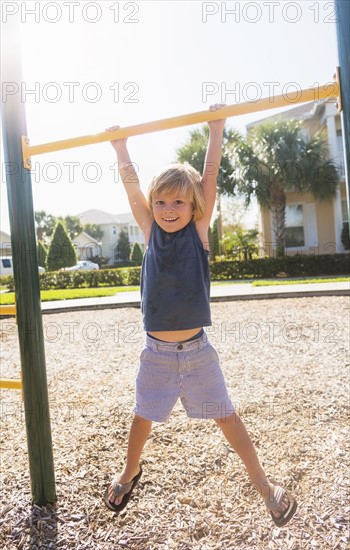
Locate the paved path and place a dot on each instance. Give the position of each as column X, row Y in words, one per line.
column 219, row 293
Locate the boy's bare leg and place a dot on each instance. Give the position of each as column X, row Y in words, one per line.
column 139, row 432
column 236, row 434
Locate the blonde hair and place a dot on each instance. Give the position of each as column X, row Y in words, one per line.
column 182, row 179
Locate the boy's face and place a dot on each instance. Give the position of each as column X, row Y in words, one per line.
column 172, row 211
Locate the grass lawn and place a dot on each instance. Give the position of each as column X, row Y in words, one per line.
column 7, row 298
column 70, row 293
column 273, row 282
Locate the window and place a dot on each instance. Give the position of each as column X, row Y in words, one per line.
column 6, row 262
column 340, row 154
column 294, row 226
column 131, row 230
column 345, row 239
column 136, row 231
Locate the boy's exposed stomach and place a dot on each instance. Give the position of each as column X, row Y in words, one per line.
column 175, row 335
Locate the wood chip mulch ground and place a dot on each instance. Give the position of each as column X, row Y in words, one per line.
column 286, row 364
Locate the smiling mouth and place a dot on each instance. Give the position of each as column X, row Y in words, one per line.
column 170, row 219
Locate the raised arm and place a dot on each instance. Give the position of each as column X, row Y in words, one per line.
column 212, row 164
column 137, row 200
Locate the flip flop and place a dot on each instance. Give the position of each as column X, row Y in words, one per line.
column 274, row 504
column 119, row 489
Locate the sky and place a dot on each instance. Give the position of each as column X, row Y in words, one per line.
column 89, row 65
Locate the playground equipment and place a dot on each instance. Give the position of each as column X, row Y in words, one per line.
column 7, row 310
column 327, row 91
column 17, row 167
column 7, row 383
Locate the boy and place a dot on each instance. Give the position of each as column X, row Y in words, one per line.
column 178, row 361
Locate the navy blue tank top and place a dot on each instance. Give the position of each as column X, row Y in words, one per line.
column 175, row 281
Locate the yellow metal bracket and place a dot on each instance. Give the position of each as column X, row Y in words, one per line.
column 4, row 382
column 7, row 309
column 27, row 163
column 327, row 91
column 11, row 384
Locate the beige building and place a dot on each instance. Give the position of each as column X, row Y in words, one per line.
column 312, row 226
column 86, row 246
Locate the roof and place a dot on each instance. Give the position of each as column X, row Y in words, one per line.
column 99, row 217
column 301, row 112
column 5, row 237
column 83, row 236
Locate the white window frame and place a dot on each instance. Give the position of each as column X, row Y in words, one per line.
column 304, row 246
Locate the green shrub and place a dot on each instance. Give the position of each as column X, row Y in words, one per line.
column 77, row 278
column 111, row 277
column 261, row 268
column 133, row 275
column 61, row 251
column 91, row 278
column 41, row 253
column 136, row 254
column 8, row 281
column 290, row 266
column 64, row 279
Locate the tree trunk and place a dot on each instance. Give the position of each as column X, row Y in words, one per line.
column 219, row 219
column 39, row 233
column 278, row 208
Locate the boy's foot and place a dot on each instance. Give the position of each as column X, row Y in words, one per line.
column 281, row 505
column 118, row 493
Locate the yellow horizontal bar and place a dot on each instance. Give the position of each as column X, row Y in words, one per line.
column 327, row 91
column 11, row 384
column 8, row 310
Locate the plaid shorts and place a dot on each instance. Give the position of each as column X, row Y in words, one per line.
column 187, row 370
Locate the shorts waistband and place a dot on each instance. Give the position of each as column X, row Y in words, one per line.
column 176, row 347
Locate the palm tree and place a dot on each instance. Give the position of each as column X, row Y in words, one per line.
column 45, row 224
column 274, row 159
column 241, row 243
column 72, row 224
column 193, row 152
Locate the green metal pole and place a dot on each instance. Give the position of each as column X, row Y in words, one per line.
column 25, row 266
column 343, row 36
